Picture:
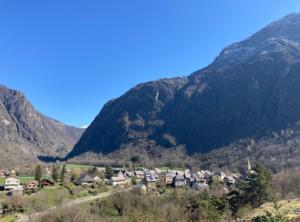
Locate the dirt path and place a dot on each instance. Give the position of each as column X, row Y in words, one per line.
column 25, row 218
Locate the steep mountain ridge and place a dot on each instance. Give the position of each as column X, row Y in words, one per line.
column 25, row 133
column 250, row 89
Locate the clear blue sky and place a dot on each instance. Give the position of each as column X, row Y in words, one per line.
column 70, row 57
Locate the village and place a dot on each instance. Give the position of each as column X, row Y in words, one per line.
column 45, row 188
column 141, row 179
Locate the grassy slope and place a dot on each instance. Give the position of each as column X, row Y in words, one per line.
column 9, row 218
column 72, row 166
column 289, row 205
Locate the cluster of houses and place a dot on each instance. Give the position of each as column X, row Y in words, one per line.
column 13, row 185
column 142, row 180
column 149, row 180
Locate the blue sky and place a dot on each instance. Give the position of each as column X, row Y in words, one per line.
column 70, row 57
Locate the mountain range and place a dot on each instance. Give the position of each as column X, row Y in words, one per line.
column 245, row 104
column 251, row 89
column 26, row 133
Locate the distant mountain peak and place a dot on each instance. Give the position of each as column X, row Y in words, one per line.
column 26, row 133
column 250, row 89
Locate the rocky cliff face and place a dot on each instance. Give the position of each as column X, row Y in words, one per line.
column 25, row 133
column 250, row 89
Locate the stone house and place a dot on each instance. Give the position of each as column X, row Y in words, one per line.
column 150, row 183
column 86, row 180
column 119, row 181
column 139, row 174
column 168, row 178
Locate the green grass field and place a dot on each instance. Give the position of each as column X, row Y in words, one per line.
column 48, row 197
column 72, row 166
column 2, row 180
column 24, row 179
column 9, row 218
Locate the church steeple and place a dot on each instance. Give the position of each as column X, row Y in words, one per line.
column 249, row 164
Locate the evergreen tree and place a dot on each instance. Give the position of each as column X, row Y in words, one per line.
column 278, row 215
column 93, row 171
column 260, row 187
column 38, row 173
column 55, row 173
column 109, row 172
column 134, row 160
column 63, row 174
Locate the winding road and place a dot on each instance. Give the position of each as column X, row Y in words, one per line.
column 25, row 218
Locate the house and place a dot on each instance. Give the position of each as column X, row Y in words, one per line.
column 194, row 177
column 2, row 173
column 139, row 174
column 150, row 183
column 154, row 174
column 85, row 180
column 119, row 180
column 47, row 182
column 32, row 185
column 179, row 181
column 16, row 191
column 187, row 175
column 219, row 176
column 140, row 188
column 205, row 174
column 11, row 183
column 169, row 178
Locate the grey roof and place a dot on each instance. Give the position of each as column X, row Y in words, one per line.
column 179, row 177
column 195, row 176
column 86, row 178
column 150, row 178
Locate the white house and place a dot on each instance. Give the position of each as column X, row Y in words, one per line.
column 11, row 183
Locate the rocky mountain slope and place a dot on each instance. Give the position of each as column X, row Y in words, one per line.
column 25, row 133
column 252, row 88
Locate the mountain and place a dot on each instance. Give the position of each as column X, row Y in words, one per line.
column 251, row 89
column 25, row 133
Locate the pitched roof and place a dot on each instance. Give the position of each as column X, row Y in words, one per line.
column 179, row 177
column 171, row 175
column 139, row 172
column 118, row 178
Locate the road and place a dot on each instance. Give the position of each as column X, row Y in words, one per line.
column 25, row 218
